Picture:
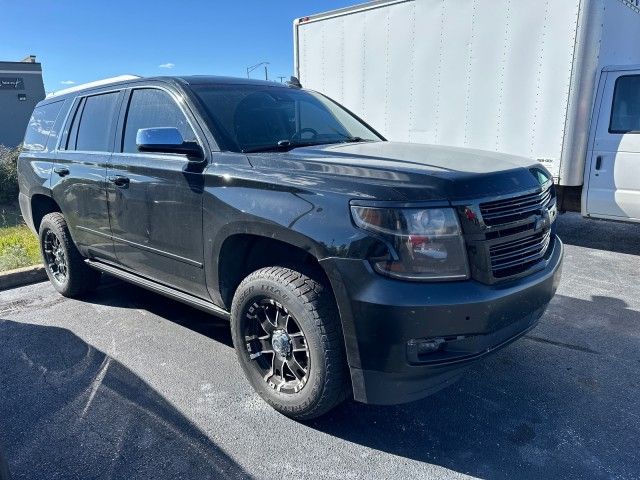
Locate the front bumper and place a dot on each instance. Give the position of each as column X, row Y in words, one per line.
column 380, row 317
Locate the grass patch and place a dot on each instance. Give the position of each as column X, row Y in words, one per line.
column 18, row 245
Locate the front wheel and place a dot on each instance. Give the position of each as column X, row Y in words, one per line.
column 288, row 338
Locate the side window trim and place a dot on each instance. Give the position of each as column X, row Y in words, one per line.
column 75, row 124
column 125, row 114
column 67, row 124
column 613, row 105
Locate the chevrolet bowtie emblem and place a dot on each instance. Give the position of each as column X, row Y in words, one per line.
column 542, row 222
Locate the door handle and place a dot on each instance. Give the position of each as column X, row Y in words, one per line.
column 62, row 171
column 598, row 162
column 119, row 181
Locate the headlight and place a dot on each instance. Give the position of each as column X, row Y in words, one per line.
column 427, row 241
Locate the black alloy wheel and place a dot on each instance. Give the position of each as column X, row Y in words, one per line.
column 288, row 338
column 54, row 256
column 64, row 264
column 277, row 346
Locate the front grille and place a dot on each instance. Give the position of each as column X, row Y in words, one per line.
column 514, row 209
column 509, row 237
column 511, row 258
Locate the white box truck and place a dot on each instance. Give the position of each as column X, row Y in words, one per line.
column 554, row 80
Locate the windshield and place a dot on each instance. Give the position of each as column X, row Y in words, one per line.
column 260, row 118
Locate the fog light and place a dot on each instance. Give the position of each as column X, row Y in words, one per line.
column 429, row 346
column 419, row 347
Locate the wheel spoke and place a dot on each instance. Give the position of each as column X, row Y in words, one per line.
column 299, row 343
column 277, row 365
column 296, row 368
column 257, row 346
column 282, row 319
column 266, row 323
column 276, row 375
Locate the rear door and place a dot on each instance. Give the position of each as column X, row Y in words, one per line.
column 155, row 199
column 79, row 175
column 613, row 179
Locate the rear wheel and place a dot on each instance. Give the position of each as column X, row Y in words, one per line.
column 63, row 262
column 288, row 338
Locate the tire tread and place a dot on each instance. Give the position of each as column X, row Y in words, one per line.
column 81, row 278
column 319, row 303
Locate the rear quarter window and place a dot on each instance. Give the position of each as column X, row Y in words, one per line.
column 41, row 132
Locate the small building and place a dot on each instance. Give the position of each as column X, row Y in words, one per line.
column 21, row 87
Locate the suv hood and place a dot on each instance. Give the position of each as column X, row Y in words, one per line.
column 408, row 171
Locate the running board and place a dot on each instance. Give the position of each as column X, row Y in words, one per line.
column 159, row 288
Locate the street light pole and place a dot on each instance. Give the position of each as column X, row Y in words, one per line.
column 253, row 67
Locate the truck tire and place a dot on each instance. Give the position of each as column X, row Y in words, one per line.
column 63, row 262
column 288, row 338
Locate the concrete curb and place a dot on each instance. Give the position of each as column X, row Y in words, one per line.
column 22, row 276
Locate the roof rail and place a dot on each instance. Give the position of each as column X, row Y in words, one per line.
column 97, row 83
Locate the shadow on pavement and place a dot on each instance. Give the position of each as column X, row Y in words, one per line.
column 116, row 293
column 618, row 237
column 539, row 409
column 4, row 467
column 67, row 410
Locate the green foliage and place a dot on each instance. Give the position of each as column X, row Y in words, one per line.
column 18, row 245
column 8, row 174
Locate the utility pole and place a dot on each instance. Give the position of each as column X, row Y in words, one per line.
column 281, row 78
column 253, row 67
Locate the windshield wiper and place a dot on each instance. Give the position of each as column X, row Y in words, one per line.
column 283, row 146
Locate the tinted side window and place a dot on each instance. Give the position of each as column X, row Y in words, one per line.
column 625, row 113
column 41, row 126
column 152, row 108
column 93, row 123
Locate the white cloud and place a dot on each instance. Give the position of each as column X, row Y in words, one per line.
column 67, row 82
column 167, row 65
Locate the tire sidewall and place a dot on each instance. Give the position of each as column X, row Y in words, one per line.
column 260, row 288
column 48, row 226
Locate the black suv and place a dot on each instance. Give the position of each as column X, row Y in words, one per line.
column 347, row 265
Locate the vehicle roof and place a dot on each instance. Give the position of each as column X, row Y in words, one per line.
column 184, row 80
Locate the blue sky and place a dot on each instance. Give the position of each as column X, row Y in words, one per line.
column 80, row 41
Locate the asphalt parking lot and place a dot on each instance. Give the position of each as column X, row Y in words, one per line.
column 128, row 384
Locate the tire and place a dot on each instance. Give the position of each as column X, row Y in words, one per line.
column 315, row 342
column 77, row 277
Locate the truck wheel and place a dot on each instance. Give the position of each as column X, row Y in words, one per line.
column 63, row 263
column 288, row 338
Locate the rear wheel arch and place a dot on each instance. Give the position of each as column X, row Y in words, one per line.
column 42, row 205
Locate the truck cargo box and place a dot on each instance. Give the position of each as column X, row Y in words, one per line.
column 511, row 76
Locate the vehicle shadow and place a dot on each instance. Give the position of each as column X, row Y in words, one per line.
column 538, row 409
column 74, row 412
column 116, row 293
column 607, row 235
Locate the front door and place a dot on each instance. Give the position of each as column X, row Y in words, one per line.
column 155, row 200
column 613, row 189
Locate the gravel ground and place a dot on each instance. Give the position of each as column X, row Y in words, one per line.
column 128, row 384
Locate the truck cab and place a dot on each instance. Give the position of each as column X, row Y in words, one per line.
column 612, row 172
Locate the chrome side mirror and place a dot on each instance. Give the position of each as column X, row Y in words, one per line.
column 166, row 140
